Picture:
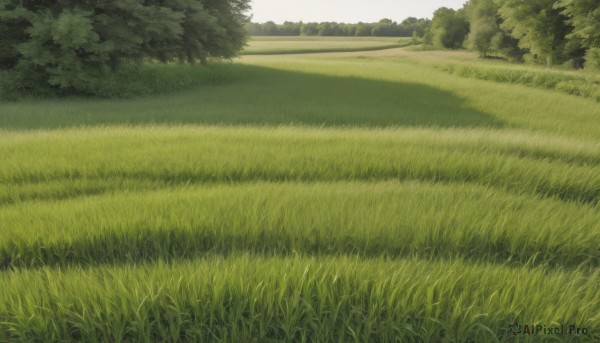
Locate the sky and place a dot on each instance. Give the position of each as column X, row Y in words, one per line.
column 348, row 11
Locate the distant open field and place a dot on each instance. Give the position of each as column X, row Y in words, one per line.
column 269, row 45
column 390, row 196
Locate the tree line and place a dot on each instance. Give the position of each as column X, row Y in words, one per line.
column 548, row 32
column 384, row 28
column 540, row 31
column 75, row 45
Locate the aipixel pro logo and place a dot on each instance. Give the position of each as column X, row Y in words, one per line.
column 542, row 330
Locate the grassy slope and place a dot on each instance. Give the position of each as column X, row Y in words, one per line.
column 396, row 201
column 330, row 90
column 584, row 83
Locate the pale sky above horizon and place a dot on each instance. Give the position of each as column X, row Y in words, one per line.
column 348, row 11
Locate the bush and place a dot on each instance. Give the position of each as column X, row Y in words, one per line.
column 449, row 28
column 561, row 82
column 134, row 80
column 592, row 59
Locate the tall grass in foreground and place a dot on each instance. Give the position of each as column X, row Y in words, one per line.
column 439, row 208
column 362, row 219
column 209, row 155
column 243, row 298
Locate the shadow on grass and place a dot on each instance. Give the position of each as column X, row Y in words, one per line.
column 262, row 96
column 141, row 246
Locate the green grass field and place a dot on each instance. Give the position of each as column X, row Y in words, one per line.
column 324, row 197
column 268, row 45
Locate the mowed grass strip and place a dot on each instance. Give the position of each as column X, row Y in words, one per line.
column 541, row 166
column 390, row 219
column 297, row 45
column 240, row 298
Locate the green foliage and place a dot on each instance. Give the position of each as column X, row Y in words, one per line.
column 65, row 48
column 483, row 25
column 417, row 26
column 428, row 38
column 130, row 81
column 73, row 46
column 539, row 27
column 584, row 15
column 363, row 30
column 592, row 59
column 415, row 40
column 486, row 33
column 449, row 28
column 552, row 32
column 507, row 46
column 482, row 35
column 383, row 28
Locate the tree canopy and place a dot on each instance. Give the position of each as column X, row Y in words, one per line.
column 449, row 28
column 70, row 44
column 486, row 33
column 545, row 31
column 539, row 27
column 584, row 16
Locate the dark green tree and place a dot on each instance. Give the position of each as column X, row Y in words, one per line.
column 386, row 28
column 539, row 27
column 363, row 29
column 71, row 45
column 383, row 28
column 413, row 27
column 449, row 28
column 486, row 34
column 483, row 19
column 327, row 29
column 584, row 16
column 291, row 29
column 310, row 29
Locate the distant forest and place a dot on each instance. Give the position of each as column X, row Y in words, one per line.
column 550, row 32
column 384, row 28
